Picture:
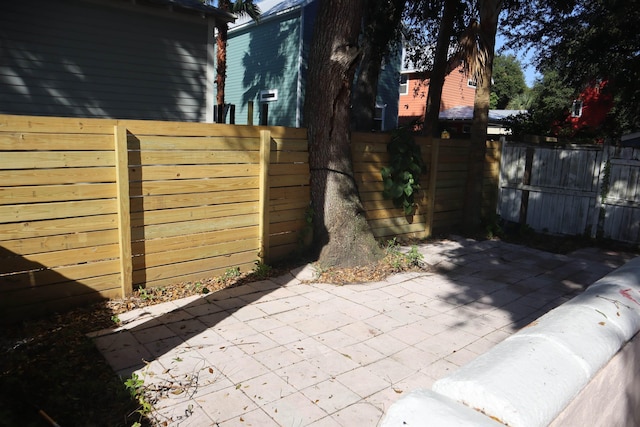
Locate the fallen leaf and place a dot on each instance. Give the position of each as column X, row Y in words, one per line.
column 601, row 323
column 397, row 390
column 211, row 370
column 238, row 386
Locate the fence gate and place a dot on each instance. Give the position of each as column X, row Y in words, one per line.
column 573, row 189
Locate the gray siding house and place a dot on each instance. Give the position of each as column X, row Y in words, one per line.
column 267, row 64
column 143, row 59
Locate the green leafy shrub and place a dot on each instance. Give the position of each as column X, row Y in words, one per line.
column 401, row 177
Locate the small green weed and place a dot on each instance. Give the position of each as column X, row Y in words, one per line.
column 400, row 261
column 135, row 385
column 261, row 270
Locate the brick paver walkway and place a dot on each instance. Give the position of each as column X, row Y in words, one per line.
column 282, row 352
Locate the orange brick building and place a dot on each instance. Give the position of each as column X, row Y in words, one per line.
column 458, row 90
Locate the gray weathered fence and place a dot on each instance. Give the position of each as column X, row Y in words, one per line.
column 572, row 189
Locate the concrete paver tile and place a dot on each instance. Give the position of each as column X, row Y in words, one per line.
column 461, row 357
column 204, row 308
column 362, row 381
column 226, row 404
column 278, row 357
column 480, row 346
column 255, row 418
column 361, row 353
column 301, row 375
column 414, row 358
column 294, row 410
column 255, row 343
column 385, row 343
column 333, row 363
column 165, row 346
column 325, row 422
column 266, row 388
column 439, row 369
column 360, row 330
column 182, row 414
column 285, row 334
column 383, row 323
column 241, row 369
column 248, row 312
column 187, row 328
column 391, row 370
column 410, row 334
column 330, row 395
column 265, row 323
column 336, row 339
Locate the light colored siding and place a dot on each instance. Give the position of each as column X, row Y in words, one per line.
column 79, row 59
column 263, row 57
column 389, row 90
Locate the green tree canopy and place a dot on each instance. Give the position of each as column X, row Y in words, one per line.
column 508, row 81
column 584, row 41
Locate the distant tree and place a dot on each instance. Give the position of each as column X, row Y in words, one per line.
column 583, row 41
column 508, row 81
column 238, row 7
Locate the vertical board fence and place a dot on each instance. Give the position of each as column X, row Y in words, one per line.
column 91, row 208
column 572, row 189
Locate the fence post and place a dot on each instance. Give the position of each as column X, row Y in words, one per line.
column 265, row 159
column 433, row 177
column 250, row 113
column 124, row 212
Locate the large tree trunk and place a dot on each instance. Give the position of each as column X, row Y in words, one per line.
column 381, row 21
column 342, row 236
column 440, row 67
column 489, row 11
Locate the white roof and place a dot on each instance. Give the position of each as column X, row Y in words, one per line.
column 464, row 112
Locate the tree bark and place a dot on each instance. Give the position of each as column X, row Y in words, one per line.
column 342, row 236
column 381, row 22
column 221, row 54
column 489, row 11
column 440, row 67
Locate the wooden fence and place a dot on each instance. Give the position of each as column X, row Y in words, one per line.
column 93, row 208
column 440, row 202
column 573, row 190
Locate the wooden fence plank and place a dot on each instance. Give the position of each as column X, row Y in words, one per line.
column 124, row 209
column 264, row 185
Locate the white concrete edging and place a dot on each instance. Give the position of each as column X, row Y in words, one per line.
column 531, row 377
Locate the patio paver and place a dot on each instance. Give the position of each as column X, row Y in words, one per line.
column 283, row 352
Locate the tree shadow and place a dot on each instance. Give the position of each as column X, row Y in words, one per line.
column 505, row 286
column 108, row 73
column 266, row 69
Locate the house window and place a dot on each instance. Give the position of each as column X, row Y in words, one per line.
column 269, row 95
column 576, row 108
column 378, row 117
column 404, row 84
column 472, row 83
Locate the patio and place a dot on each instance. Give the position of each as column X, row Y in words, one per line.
column 290, row 352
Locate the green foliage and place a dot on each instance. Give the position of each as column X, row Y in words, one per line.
column 401, row 177
column 550, row 103
column 508, row 81
column 261, row 270
column 584, row 41
column 135, row 385
column 400, row 261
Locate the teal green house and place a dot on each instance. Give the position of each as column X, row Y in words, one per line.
column 267, row 64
